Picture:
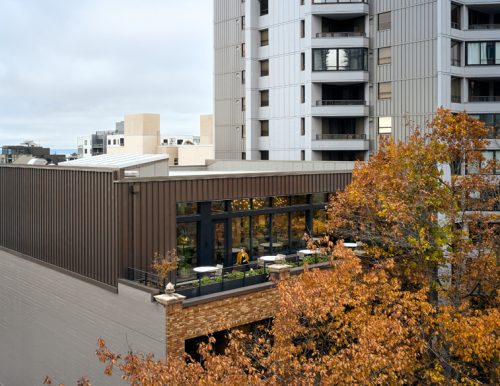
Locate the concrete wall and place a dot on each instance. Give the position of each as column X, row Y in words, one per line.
column 206, row 129
column 228, row 87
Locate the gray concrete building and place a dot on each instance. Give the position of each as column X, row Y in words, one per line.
column 326, row 79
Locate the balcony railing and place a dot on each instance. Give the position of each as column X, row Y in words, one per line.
column 455, row 25
column 340, row 102
column 340, row 34
column 455, row 62
column 484, row 26
column 330, row 137
column 338, row 1
column 488, row 98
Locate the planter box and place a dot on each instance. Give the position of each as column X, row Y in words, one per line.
column 232, row 284
column 257, row 279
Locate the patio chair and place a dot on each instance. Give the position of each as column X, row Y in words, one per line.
column 218, row 273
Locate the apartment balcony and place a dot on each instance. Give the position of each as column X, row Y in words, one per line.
column 340, row 108
column 339, row 76
column 483, row 27
column 340, row 39
column 335, row 7
column 342, row 142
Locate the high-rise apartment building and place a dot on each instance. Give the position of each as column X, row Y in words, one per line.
column 325, row 79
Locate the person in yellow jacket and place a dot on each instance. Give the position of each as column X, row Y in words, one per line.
column 242, row 257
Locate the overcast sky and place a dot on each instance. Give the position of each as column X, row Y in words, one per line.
column 70, row 67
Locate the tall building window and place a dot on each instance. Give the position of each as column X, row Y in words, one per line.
column 243, row 54
column 384, row 21
column 264, row 154
column 264, row 67
column 340, row 59
column 243, row 80
column 264, row 37
column 264, row 7
column 455, row 15
column 456, row 90
column 483, row 53
column 243, row 131
column 243, row 155
column 384, row 125
column 302, row 28
column 384, row 55
column 302, row 126
column 264, row 128
column 302, row 94
column 264, row 98
column 455, row 52
column 302, row 61
column 384, row 90
column 243, row 104
column 302, row 155
column 243, row 22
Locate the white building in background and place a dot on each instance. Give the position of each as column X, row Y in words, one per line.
column 325, row 79
column 140, row 134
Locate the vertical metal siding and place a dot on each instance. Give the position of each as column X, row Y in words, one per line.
column 62, row 217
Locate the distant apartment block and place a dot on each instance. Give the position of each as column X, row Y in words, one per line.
column 326, row 79
column 29, row 153
column 140, row 134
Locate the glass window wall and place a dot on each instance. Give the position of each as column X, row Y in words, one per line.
column 298, row 228
column 319, row 223
column 340, row 59
column 260, row 235
column 280, row 233
column 187, row 208
column 187, row 236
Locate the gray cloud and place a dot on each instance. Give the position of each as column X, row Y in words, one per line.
column 70, row 67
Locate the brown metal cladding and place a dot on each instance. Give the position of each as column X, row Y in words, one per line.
column 63, row 217
column 151, row 226
column 86, row 222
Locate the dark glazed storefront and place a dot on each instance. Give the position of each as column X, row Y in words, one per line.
column 210, row 233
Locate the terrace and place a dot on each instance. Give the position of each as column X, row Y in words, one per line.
column 220, row 279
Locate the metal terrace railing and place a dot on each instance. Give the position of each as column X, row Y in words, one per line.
column 224, row 279
column 340, row 34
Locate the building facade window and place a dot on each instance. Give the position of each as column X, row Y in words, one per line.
column 302, row 155
column 302, row 61
column 456, row 53
column 302, row 28
column 384, row 55
column 264, row 67
column 384, row 21
column 384, row 90
column 243, row 104
column 243, row 155
column 302, row 126
column 264, row 128
column 264, row 98
column 243, row 53
column 243, row 77
column 483, row 53
column 263, row 7
column 455, row 15
column 385, row 125
column 456, row 90
column 340, row 59
column 243, row 22
column 264, row 154
column 264, row 37
column 243, row 131
column 302, row 94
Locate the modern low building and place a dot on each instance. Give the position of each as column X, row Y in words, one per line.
column 97, row 221
column 325, row 79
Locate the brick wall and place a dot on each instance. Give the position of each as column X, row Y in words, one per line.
column 187, row 319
